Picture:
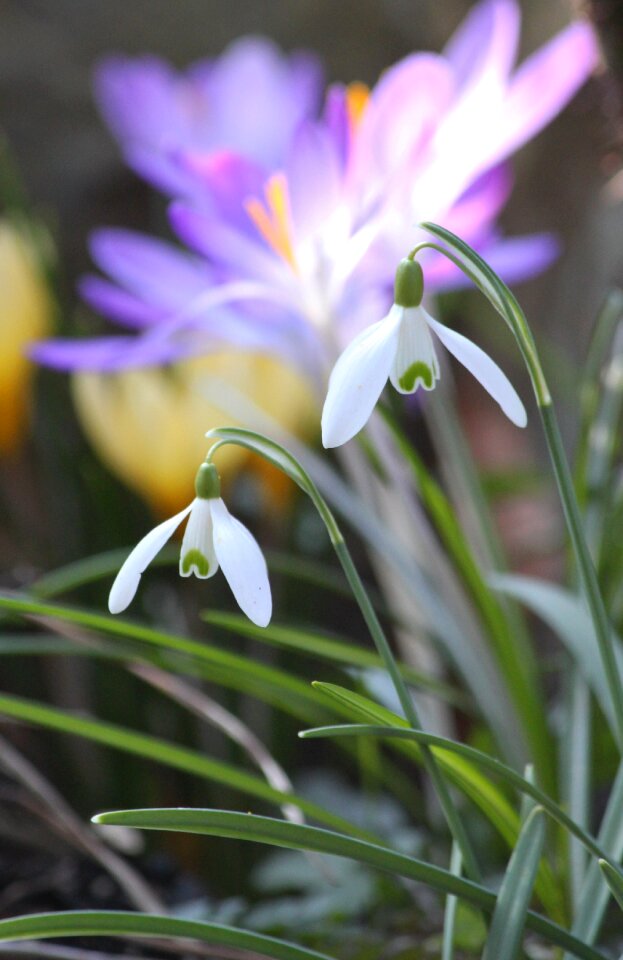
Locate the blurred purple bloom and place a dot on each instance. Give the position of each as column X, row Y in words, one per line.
column 249, row 100
column 295, row 235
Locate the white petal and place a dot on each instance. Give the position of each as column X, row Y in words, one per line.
column 481, row 366
column 357, row 379
column 197, row 554
column 127, row 580
column 415, row 364
column 243, row 564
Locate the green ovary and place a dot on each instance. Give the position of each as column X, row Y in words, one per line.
column 417, row 371
column 194, row 558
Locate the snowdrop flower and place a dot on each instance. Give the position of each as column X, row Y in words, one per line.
column 401, row 348
column 212, row 538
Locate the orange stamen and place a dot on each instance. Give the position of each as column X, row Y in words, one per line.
column 273, row 219
column 357, row 96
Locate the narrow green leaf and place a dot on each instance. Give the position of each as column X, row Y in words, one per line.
column 565, row 613
column 280, row 833
column 113, row 923
column 228, row 669
column 90, row 570
column 449, row 915
column 590, row 390
column 614, row 880
column 507, row 637
column 318, row 645
column 164, row 752
column 595, row 892
column 464, row 774
column 509, row 917
column 576, row 769
column 501, row 770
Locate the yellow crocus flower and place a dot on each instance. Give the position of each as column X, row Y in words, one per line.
column 25, row 315
column 148, row 424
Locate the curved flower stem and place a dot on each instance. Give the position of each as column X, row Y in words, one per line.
column 281, row 458
column 585, row 563
column 498, row 294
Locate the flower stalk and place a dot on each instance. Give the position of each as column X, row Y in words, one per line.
column 498, row 294
column 284, row 460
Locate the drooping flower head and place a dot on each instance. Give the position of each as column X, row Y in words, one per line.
column 212, row 538
column 401, row 348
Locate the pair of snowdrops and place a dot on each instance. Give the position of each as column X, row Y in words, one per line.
column 401, row 348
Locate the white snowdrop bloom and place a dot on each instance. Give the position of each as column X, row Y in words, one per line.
column 212, row 538
column 401, row 348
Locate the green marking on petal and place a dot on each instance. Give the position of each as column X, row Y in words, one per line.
column 194, row 558
column 417, row 371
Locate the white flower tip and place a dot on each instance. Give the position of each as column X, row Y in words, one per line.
column 123, row 591
column 514, row 409
column 335, row 429
column 520, row 418
column 260, row 615
column 329, row 438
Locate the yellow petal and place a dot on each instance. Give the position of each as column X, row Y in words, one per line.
column 148, row 425
column 25, row 315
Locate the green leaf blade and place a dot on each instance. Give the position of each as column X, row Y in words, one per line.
column 280, row 833
column 81, row 923
column 509, row 917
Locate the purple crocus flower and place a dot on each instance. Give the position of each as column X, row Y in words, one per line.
column 302, row 259
column 249, row 100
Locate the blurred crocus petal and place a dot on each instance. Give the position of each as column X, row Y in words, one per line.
column 481, row 202
column 117, row 304
column 519, row 258
column 313, row 177
column 258, row 96
column 543, row 85
column 224, row 244
column 152, row 269
column 337, row 120
column 249, row 100
column 107, row 353
column 486, row 42
column 243, row 564
column 137, row 99
column 515, row 259
column 127, row 580
column 228, row 180
column 482, row 367
column 404, row 108
column 161, row 168
column 358, row 378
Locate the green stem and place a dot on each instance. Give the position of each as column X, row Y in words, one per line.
column 586, row 567
column 382, row 645
column 506, row 305
column 274, row 453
